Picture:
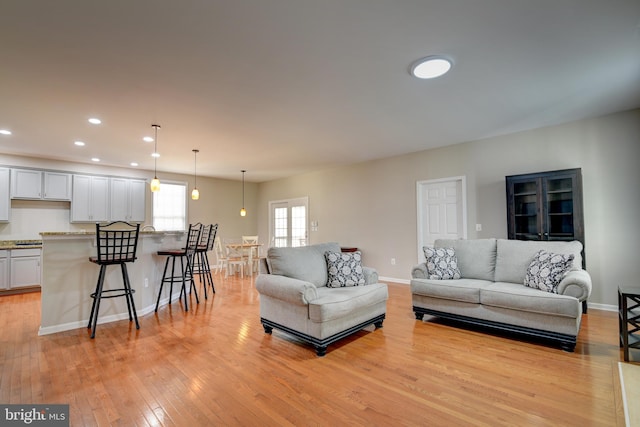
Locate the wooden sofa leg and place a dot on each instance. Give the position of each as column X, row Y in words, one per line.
column 267, row 329
column 378, row 324
column 419, row 316
column 584, row 307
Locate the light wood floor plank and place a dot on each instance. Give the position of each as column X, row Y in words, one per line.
column 214, row 365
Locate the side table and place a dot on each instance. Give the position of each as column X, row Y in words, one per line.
column 629, row 318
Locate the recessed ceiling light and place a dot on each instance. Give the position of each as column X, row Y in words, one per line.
column 431, row 67
column 95, row 121
column 155, row 154
column 95, row 159
column 134, row 164
column 147, row 139
column 79, row 143
column 5, row 132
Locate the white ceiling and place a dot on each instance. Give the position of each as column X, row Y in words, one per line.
column 281, row 87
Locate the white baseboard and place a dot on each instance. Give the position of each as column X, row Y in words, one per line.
column 394, row 280
column 604, row 307
column 104, row 319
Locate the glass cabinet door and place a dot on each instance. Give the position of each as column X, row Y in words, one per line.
column 526, row 210
column 559, row 208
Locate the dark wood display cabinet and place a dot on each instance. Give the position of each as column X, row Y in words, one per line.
column 546, row 206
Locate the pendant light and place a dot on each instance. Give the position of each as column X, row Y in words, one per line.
column 243, row 212
column 155, row 182
column 195, row 194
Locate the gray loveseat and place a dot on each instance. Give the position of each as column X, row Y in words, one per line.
column 294, row 297
column 491, row 291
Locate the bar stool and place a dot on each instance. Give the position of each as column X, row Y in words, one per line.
column 186, row 256
column 201, row 265
column 117, row 243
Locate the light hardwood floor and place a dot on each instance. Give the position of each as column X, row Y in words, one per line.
column 215, row 366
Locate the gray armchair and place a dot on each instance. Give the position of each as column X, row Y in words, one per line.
column 294, row 297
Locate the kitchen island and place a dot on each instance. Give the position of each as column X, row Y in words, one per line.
column 68, row 278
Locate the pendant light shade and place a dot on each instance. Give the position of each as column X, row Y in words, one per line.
column 195, row 194
column 243, row 212
column 155, row 182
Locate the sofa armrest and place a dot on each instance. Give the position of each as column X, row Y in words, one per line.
column 577, row 283
column 286, row 288
column 370, row 275
column 420, row 272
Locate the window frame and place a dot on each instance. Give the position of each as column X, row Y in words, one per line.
column 185, row 185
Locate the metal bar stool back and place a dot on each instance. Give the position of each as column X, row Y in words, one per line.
column 203, row 268
column 186, row 256
column 117, row 243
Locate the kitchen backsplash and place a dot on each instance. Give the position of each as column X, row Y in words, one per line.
column 29, row 218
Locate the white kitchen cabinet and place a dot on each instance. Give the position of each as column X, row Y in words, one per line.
column 5, row 200
column 24, row 268
column 90, row 202
column 127, row 200
column 4, row 269
column 26, row 184
column 57, row 186
column 40, row 185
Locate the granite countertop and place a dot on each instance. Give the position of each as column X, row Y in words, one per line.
column 20, row 244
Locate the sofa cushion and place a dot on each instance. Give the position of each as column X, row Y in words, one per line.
column 546, row 270
column 519, row 297
column 514, row 256
column 464, row 290
column 344, row 269
column 303, row 263
column 442, row 263
column 336, row 303
column 476, row 257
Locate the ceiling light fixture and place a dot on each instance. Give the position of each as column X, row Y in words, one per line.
column 79, row 143
column 95, row 159
column 5, row 132
column 147, row 139
column 195, row 194
column 431, row 67
column 134, row 164
column 243, row 212
column 95, row 121
column 155, row 182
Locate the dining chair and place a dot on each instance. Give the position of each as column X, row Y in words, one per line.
column 221, row 256
column 235, row 259
column 252, row 254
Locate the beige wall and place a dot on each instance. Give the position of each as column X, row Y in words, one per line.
column 220, row 201
column 372, row 205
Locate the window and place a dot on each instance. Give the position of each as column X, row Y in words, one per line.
column 170, row 207
column 288, row 222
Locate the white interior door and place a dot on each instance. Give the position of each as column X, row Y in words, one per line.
column 288, row 221
column 442, row 211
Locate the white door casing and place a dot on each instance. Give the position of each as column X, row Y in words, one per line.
column 288, row 222
column 442, row 211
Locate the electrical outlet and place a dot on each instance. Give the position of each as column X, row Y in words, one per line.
column 393, row 261
column 146, row 282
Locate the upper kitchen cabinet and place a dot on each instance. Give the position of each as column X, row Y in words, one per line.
column 31, row 184
column 90, row 201
column 127, row 200
column 5, row 201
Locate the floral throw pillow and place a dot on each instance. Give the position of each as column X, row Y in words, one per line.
column 442, row 263
column 547, row 270
column 344, row 269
